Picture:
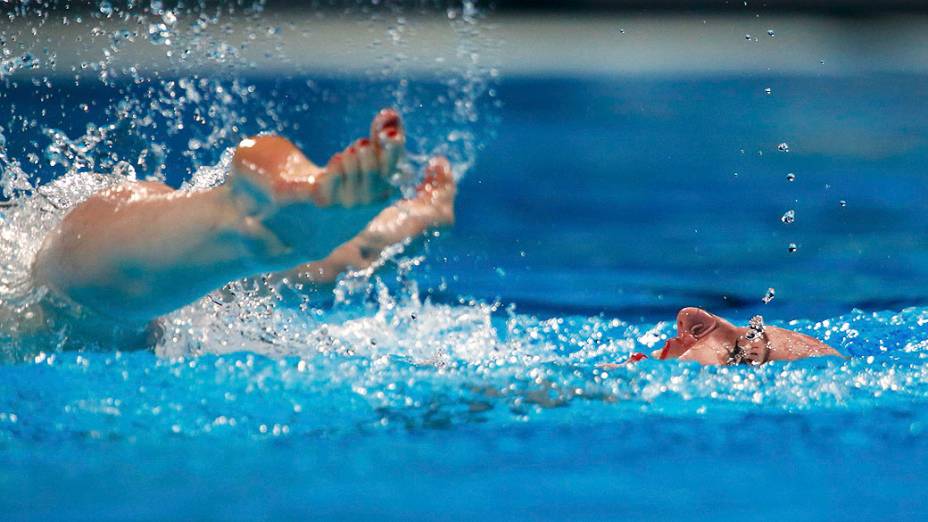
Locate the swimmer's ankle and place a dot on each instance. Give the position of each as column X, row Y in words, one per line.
column 241, row 209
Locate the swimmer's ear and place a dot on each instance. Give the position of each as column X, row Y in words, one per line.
column 696, row 322
column 701, row 329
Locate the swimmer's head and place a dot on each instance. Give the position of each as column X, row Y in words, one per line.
column 696, row 326
column 709, row 339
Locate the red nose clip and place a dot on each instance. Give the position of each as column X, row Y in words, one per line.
column 635, row 357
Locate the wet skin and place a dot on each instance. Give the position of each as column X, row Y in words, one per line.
column 140, row 250
column 708, row 339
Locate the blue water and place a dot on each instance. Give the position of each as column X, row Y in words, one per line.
column 595, row 209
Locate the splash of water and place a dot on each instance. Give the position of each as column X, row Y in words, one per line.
column 158, row 92
column 384, row 346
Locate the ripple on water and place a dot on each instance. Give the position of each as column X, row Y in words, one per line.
column 396, row 362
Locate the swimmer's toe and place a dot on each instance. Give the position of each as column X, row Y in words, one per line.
column 389, row 141
column 437, row 192
column 438, row 175
column 348, row 188
column 387, row 120
column 359, row 174
column 369, row 170
column 330, row 182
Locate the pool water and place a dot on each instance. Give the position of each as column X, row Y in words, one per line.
column 463, row 383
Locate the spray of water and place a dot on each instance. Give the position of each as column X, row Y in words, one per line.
column 163, row 91
column 158, row 92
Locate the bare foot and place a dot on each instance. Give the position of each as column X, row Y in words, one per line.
column 435, row 195
column 273, row 171
column 432, row 206
column 300, row 211
column 361, row 172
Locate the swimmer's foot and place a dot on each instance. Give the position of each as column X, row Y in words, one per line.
column 431, row 207
column 271, row 172
column 435, row 196
column 278, row 193
column 361, row 173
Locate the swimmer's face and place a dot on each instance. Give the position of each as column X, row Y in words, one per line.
column 708, row 339
column 701, row 336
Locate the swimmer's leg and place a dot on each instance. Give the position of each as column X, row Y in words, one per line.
column 140, row 250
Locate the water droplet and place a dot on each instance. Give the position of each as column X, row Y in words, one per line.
column 789, row 216
column 771, row 292
column 770, row 33
column 783, row 147
column 124, row 169
column 106, row 8
column 158, row 33
column 790, row 177
column 792, row 248
column 169, row 17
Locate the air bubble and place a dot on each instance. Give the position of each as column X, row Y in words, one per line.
column 790, row 177
column 770, row 33
column 106, row 8
column 792, row 248
column 783, row 147
column 768, row 91
column 842, row 203
column 788, row 217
